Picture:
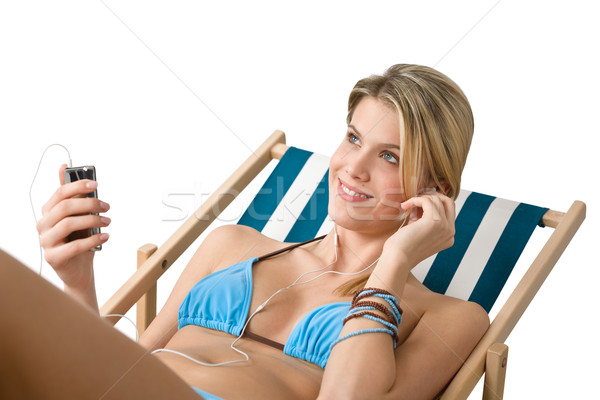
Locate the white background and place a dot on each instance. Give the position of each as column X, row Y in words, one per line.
column 167, row 98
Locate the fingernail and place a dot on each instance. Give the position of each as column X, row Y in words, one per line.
column 104, row 206
column 105, row 220
column 91, row 185
column 104, row 236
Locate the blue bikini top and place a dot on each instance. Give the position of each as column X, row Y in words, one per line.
column 221, row 301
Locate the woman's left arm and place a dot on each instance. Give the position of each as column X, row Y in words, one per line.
column 420, row 368
column 365, row 365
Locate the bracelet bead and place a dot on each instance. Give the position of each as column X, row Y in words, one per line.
column 360, row 308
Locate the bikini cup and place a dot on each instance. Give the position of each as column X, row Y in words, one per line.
column 221, row 301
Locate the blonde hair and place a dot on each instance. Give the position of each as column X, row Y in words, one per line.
column 437, row 131
column 438, row 124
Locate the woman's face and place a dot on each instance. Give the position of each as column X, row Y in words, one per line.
column 364, row 172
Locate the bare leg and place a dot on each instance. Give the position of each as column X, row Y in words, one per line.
column 53, row 347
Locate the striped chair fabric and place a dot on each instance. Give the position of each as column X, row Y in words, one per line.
column 491, row 232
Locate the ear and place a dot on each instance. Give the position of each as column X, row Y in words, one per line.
column 444, row 187
column 441, row 186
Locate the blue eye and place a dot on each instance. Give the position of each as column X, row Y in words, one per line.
column 390, row 157
column 352, row 138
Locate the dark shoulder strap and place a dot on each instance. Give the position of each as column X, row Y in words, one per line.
column 293, row 246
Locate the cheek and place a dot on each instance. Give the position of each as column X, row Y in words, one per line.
column 335, row 163
column 392, row 196
column 333, row 167
column 336, row 157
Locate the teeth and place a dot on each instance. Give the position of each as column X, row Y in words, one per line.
column 352, row 192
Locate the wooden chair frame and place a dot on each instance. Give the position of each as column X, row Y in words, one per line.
column 490, row 355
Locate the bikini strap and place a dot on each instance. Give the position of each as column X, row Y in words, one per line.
column 293, row 246
column 264, row 340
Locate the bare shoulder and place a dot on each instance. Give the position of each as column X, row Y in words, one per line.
column 453, row 313
column 456, row 321
column 443, row 335
column 224, row 237
column 229, row 244
column 468, row 311
column 223, row 246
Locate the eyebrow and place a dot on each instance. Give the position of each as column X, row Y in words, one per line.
column 360, row 136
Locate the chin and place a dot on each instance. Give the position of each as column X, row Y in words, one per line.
column 362, row 219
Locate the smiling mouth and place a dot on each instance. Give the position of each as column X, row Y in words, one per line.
column 352, row 192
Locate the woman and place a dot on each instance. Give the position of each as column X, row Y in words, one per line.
column 392, row 184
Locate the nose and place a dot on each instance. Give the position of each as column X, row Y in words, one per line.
column 357, row 166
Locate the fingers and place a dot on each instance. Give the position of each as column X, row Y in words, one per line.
column 64, row 227
column 69, row 190
column 61, row 174
column 70, row 207
column 414, row 214
column 431, row 204
column 57, row 256
column 68, row 211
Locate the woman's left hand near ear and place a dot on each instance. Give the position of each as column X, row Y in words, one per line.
column 428, row 230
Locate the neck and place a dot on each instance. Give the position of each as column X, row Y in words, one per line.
column 355, row 251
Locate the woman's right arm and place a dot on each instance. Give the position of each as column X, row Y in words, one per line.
column 67, row 211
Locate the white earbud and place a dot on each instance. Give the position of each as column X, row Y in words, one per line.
column 335, row 236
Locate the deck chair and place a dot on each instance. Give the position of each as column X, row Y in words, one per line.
column 490, row 236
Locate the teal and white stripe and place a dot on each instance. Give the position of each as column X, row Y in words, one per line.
column 490, row 235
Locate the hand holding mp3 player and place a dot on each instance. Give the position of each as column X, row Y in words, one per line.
column 74, row 174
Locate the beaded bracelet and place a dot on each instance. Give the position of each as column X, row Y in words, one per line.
column 366, row 292
column 376, row 318
column 383, row 294
column 373, row 305
column 362, row 331
column 362, row 308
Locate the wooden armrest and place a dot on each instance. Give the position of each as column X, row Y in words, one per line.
column 157, row 263
column 146, row 305
column 468, row 376
column 495, row 372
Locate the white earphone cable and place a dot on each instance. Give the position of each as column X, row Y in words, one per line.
column 137, row 331
column 70, row 164
column 262, row 306
column 31, row 189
